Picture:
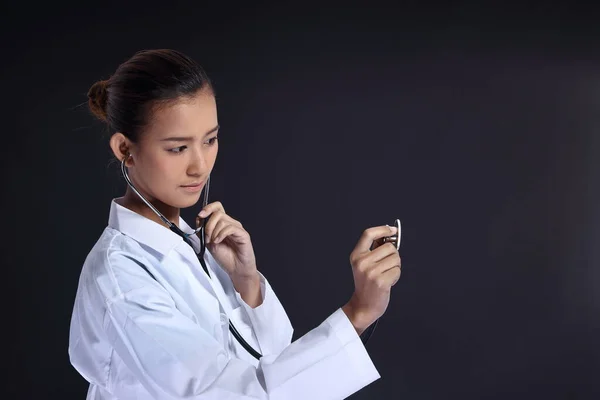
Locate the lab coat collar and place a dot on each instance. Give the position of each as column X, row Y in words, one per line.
column 145, row 231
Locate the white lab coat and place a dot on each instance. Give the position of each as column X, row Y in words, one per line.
column 134, row 336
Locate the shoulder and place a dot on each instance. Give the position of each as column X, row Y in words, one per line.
column 116, row 265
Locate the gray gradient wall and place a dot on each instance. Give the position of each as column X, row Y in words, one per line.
column 476, row 126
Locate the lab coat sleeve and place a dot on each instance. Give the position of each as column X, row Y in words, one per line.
column 269, row 320
column 176, row 358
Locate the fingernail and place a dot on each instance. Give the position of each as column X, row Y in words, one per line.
column 202, row 214
column 393, row 229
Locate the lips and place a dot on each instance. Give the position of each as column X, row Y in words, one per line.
column 193, row 187
column 193, row 184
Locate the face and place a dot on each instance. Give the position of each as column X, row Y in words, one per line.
column 177, row 152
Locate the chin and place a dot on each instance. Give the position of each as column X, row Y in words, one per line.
column 185, row 202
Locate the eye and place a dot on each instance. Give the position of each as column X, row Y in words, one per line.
column 212, row 140
column 177, row 150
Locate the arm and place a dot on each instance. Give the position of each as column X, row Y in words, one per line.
column 175, row 358
column 269, row 320
column 250, row 290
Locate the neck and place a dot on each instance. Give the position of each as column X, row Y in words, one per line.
column 133, row 202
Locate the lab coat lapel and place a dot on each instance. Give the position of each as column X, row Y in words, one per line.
column 209, row 283
column 164, row 241
column 189, row 254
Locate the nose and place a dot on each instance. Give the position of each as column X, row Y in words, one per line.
column 197, row 163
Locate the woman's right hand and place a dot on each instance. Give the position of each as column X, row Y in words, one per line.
column 376, row 268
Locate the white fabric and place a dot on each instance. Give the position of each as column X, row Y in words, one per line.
column 166, row 336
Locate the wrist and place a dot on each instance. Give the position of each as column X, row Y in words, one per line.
column 249, row 289
column 246, row 278
column 356, row 318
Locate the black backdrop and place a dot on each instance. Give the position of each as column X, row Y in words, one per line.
column 476, row 125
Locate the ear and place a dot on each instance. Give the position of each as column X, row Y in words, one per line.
column 121, row 147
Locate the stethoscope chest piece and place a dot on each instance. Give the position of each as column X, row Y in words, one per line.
column 395, row 239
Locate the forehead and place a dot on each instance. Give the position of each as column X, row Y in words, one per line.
column 192, row 116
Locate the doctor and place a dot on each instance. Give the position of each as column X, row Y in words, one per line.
column 148, row 322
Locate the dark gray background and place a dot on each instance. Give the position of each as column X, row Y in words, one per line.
column 476, row 125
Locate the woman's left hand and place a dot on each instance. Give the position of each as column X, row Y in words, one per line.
column 228, row 242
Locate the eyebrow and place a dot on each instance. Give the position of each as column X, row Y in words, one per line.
column 188, row 138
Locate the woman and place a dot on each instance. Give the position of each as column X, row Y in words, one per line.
column 153, row 313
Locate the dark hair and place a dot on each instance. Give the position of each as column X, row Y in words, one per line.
column 148, row 80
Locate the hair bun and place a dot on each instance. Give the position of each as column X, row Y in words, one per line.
column 97, row 99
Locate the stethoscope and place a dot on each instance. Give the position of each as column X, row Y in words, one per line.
column 394, row 239
column 185, row 237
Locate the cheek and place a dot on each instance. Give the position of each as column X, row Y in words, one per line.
column 168, row 167
column 213, row 156
column 160, row 169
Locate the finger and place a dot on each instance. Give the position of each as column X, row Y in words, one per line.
column 222, row 224
column 211, row 223
column 380, row 253
column 389, row 278
column 210, row 209
column 217, row 222
column 224, row 220
column 389, row 262
column 372, row 234
column 233, row 232
column 199, row 219
column 378, row 242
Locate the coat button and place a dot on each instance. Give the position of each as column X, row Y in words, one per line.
column 224, row 319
